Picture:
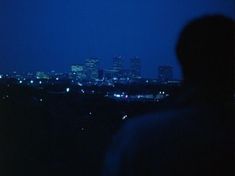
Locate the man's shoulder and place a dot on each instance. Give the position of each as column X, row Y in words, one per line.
column 160, row 120
column 186, row 124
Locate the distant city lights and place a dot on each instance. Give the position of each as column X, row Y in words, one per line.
column 117, row 95
column 67, row 90
column 79, row 84
column 124, row 117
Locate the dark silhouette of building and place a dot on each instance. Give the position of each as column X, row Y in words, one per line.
column 118, row 66
column 135, row 67
column 165, row 73
column 195, row 135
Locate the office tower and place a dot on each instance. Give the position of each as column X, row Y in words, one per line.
column 135, row 64
column 92, row 68
column 118, row 63
column 78, row 71
column 165, row 73
column 118, row 66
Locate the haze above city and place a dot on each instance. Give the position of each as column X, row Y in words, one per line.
column 46, row 35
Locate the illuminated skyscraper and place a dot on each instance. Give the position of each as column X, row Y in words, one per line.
column 165, row 73
column 118, row 66
column 135, row 67
column 78, row 71
column 118, row 63
column 92, row 68
column 42, row 75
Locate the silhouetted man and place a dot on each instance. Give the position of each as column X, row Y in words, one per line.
column 195, row 137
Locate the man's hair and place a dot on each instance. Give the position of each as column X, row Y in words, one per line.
column 206, row 52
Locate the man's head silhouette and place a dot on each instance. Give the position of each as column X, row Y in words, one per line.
column 206, row 53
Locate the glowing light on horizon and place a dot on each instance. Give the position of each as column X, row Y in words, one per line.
column 67, row 90
column 124, row 117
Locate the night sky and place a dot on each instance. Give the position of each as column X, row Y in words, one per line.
column 53, row 34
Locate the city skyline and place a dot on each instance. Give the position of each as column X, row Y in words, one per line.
column 117, row 69
column 127, row 65
column 52, row 35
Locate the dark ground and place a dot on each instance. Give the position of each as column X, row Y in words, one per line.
column 60, row 134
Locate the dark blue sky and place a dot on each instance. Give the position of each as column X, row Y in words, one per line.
column 53, row 34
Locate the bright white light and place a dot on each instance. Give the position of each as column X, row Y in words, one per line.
column 40, row 99
column 20, row 82
column 82, row 91
column 90, row 113
column 57, row 79
column 40, row 82
column 67, row 89
column 80, row 84
column 31, row 81
column 117, row 95
column 0, row 76
column 126, row 96
column 124, row 117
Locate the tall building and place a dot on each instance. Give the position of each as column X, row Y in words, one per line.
column 78, row 71
column 118, row 66
column 92, row 68
column 165, row 73
column 135, row 67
